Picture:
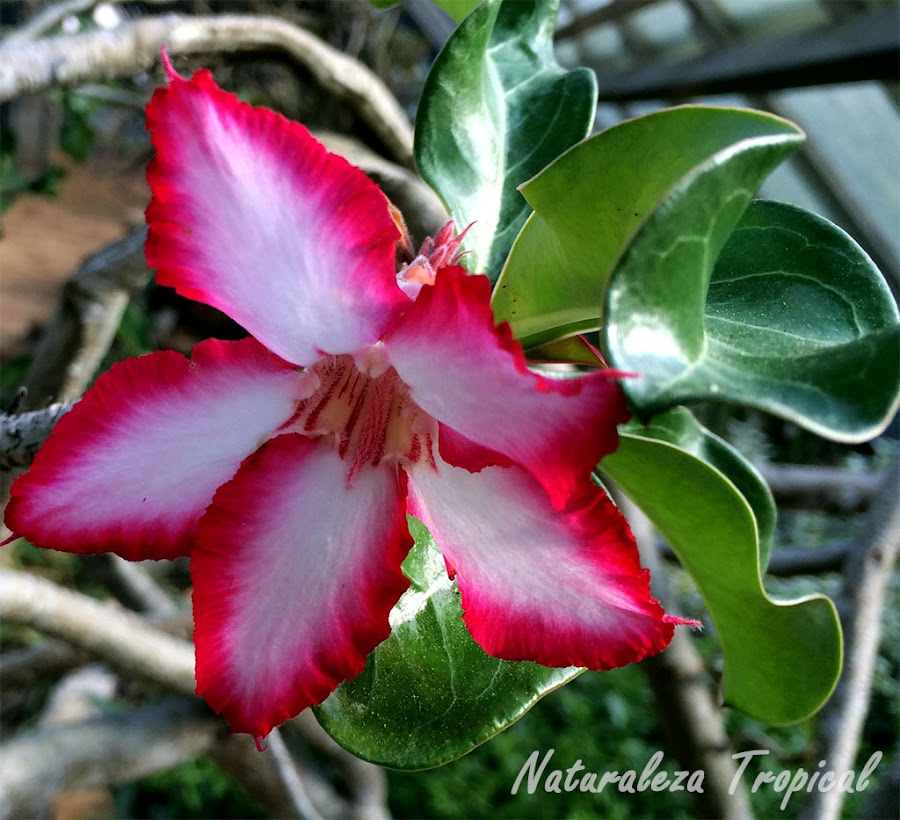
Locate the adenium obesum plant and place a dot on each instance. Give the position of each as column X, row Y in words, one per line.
column 285, row 464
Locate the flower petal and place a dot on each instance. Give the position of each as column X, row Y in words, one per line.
column 253, row 216
column 294, row 576
column 135, row 463
column 562, row 589
column 473, row 378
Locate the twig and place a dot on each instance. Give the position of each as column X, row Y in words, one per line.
column 45, row 21
column 692, row 720
column 365, row 780
column 787, row 562
column 847, row 488
column 287, row 771
column 20, row 668
column 22, row 435
column 133, row 47
column 866, row 575
column 138, row 589
column 52, row 658
column 120, row 638
column 85, row 321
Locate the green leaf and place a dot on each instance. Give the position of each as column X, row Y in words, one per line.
column 797, row 321
column 690, row 169
column 497, row 108
column 782, row 658
column 429, row 693
column 455, row 9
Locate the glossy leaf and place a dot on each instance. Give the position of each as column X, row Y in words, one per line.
column 497, row 108
column 782, row 658
column 690, row 170
column 429, row 693
column 797, row 321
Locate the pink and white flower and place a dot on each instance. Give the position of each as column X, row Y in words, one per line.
column 285, row 464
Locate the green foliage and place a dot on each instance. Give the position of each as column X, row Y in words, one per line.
column 605, row 195
column 77, row 133
column 782, row 658
column 606, row 720
column 429, row 693
column 495, row 110
column 196, row 788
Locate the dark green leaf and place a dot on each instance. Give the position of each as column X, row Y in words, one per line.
column 798, row 321
column 782, row 658
column 429, row 693
column 497, row 108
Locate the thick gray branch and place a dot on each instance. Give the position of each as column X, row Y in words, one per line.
column 22, row 435
column 134, row 47
column 40, row 763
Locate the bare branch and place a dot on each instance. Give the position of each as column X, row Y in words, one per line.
column 866, row 576
column 848, row 489
column 20, row 668
column 22, row 435
column 40, row 763
column 120, row 638
column 287, row 771
column 365, row 780
column 139, row 590
column 85, row 321
column 134, row 46
column 45, row 21
column 786, row 562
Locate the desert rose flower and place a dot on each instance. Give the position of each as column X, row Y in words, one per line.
column 285, row 464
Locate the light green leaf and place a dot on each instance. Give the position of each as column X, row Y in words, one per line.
column 497, row 108
column 690, row 169
column 429, row 693
column 782, row 658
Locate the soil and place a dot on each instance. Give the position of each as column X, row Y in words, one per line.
column 45, row 239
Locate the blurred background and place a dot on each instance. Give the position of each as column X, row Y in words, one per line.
column 72, row 194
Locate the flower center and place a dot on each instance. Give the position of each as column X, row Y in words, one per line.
column 371, row 417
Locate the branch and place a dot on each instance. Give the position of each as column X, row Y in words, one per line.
column 120, row 638
column 22, row 435
column 85, row 321
column 129, row 644
column 40, row 763
column 849, row 489
column 866, row 575
column 134, row 46
column 287, row 771
column 46, row 20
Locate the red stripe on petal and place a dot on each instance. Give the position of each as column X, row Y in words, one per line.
column 253, row 216
column 558, row 588
column 131, row 468
column 294, row 576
